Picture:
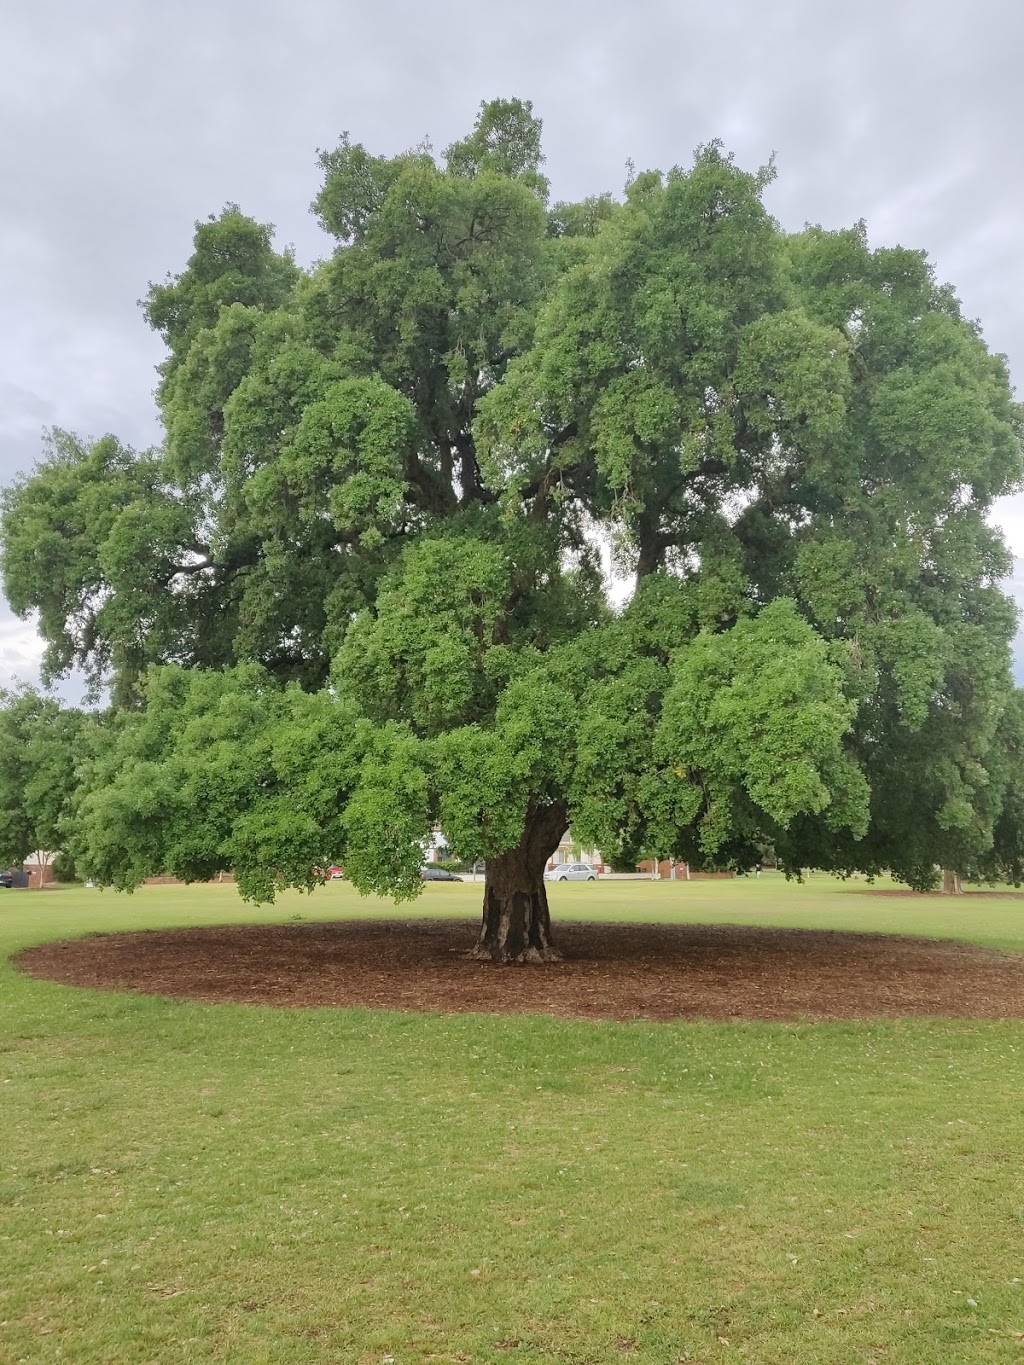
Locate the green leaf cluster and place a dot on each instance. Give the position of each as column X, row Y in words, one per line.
column 41, row 746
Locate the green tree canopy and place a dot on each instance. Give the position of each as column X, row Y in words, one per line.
column 41, row 745
column 371, row 538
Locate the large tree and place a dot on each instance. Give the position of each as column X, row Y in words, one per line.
column 378, row 514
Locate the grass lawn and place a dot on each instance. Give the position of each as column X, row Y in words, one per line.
column 182, row 1182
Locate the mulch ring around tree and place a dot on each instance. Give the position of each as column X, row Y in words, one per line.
column 610, row 971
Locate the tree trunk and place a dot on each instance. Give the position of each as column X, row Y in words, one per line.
column 516, row 924
column 951, row 882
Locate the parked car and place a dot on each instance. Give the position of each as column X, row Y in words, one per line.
column 437, row 874
column 7, row 878
column 335, row 874
column 571, row 872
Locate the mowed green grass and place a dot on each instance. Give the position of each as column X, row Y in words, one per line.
column 225, row 1183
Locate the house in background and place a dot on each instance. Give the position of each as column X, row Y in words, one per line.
column 435, row 849
column 570, row 850
column 39, row 867
column 669, row 870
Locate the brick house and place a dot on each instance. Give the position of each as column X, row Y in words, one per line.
column 39, row 868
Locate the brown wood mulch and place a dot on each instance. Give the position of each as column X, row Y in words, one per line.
column 610, row 971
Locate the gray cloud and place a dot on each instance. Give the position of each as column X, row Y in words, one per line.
column 133, row 120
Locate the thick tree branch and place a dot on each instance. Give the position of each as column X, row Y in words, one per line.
column 540, row 485
column 434, row 494
column 473, row 486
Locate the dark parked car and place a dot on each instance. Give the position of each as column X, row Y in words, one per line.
column 7, row 878
column 437, row 874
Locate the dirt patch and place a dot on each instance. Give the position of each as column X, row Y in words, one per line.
column 611, row 971
column 940, row 896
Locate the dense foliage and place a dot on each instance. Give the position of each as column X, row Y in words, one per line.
column 357, row 593
column 41, row 745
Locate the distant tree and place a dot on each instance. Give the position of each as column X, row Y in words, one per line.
column 64, row 869
column 999, row 857
column 381, row 496
column 40, row 747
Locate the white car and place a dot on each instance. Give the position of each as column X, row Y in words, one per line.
column 571, row 872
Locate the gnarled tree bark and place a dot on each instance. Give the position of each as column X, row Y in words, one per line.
column 951, row 882
column 516, row 924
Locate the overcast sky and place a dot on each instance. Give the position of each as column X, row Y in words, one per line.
column 126, row 120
